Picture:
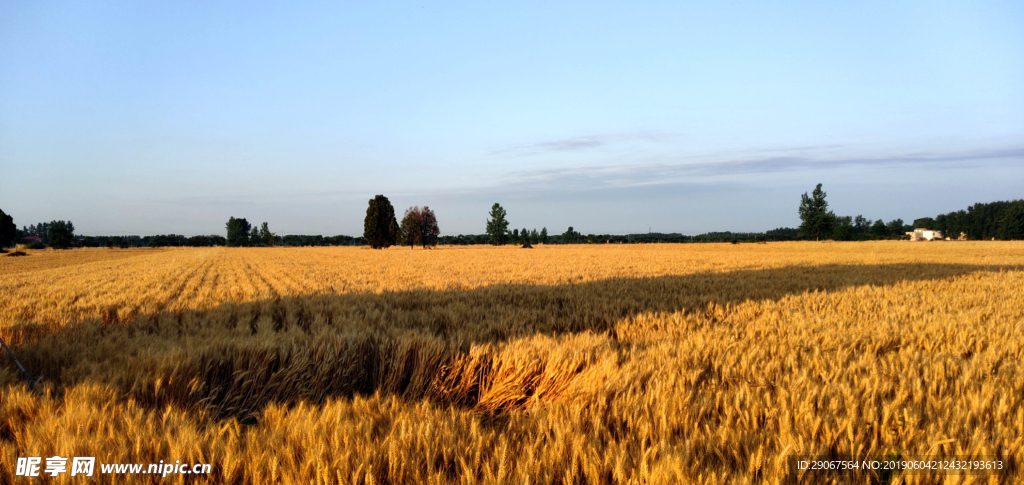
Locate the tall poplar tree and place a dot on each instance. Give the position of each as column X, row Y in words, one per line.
column 817, row 221
column 497, row 225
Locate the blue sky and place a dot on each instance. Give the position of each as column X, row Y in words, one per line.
column 169, row 117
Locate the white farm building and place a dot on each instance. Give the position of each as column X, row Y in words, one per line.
column 925, row 235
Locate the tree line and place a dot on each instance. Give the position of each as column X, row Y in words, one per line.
column 177, row 240
column 499, row 234
column 1002, row 220
column 60, row 235
column 774, row 235
column 240, row 233
column 55, row 234
column 818, row 223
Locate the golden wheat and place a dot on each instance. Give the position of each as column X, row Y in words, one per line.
column 562, row 364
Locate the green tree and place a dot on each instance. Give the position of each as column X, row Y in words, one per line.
column 238, row 232
column 497, row 225
column 571, row 236
column 895, row 228
column 544, row 235
column 61, row 234
column 879, row 229
column 817, row 220
column 265, row 237
column 380, row 228
column 924, row 223
column 1012, row 225
column 844, row 229
column 862, row 226
column 8, row 230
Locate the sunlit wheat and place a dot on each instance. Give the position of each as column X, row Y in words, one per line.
column 559, row 364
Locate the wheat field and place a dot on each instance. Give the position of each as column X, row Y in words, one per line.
column 646, row 364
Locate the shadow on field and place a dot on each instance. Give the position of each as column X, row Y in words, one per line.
column 235, row 359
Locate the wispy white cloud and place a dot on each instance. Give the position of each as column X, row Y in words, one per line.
column 602, row 177
column 694, row 171
column 581, row 143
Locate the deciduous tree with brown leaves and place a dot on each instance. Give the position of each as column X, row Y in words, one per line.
column 419, row 226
